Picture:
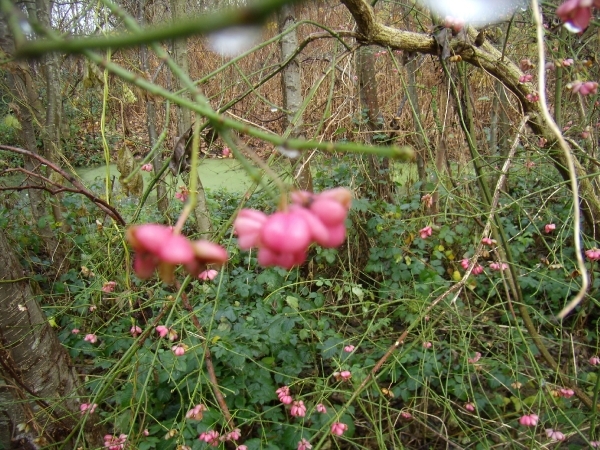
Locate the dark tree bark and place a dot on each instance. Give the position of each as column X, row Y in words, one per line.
column 378, row 167
column 39, row 388
column 291, row 86
column 25, row 103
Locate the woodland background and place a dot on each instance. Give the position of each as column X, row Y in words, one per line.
column 431, row 128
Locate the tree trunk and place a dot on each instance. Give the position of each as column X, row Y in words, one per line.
column 25, row 103
column 157, row 161
column 39, row 387
column 378, row 167
column 180, row 54
column 291, row 86
column 52, row 125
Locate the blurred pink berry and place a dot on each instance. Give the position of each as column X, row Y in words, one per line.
column 464, row 263
column 576, row 13
column 583, row 87
column 476, row 358
column 109, row 286
column 427, row 200
column 425, row 232
column 345, row 375
column 555, row 435
column 406, row 415
column 91, row 338
column 242, row 447
column 321, row 408
column 147, row 167
column 427, row 345
column 93, row 308
column 146, row 432
column 349, row 348
column 182, row 194
column 593, row 254
column 211, row 437
column 135, row 331
column 338, row 428
column 532, row 97
column 594, row 360
column 566, row 393
column 477, row 270
column 567, row 62
column 196, row 412
column 284, row 395
column 226, row 152
column 162, row 331
column 470, row 407
column 304, row 445
column 529, row 420
column 525, row 78
column 157, row 247
column 298, row 409
column 87, row 408
column 178, row 349
column 233, row 435
column 75, row 331
column 115, row 443
column 488, row 241
column 207, row 275
column 595, row 444
column 549, row 228
column 498, row 266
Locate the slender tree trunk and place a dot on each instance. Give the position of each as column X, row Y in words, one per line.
column 38, row 386
column 52, row 125
column 25, row 104
column 180, row 53
column 157, row 161
column 378, row 167
column 291, row 86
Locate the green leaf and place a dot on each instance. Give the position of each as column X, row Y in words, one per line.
column 292, row 301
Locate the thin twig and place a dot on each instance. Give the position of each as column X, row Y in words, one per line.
column 80, row 188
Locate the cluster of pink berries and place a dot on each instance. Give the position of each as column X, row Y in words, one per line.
column 157, row 246
column 425, row 232
column 167, row 332
column 147, row 167
column 115, row 442
column 196, row 412
column 477, row 270
column 86, row 408
column 529, row 420
column 549, row 228
column 593, row 254
column 526, row 78
column 283, row 238
column 182, row 194
column 499, row 267
column 213, row 438
column 565, row 393
column 555, row 435
column 583, row 87
column 109, row 286
column 91, row 338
